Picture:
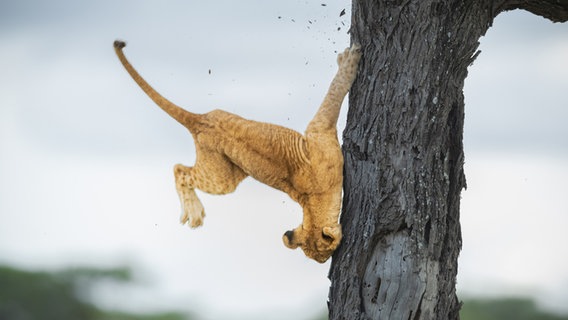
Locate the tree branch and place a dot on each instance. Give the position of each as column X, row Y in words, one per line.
column 553, row 10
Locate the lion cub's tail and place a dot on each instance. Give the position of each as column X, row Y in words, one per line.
column 182, row 116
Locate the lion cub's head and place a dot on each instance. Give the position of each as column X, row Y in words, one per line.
column 317, row 243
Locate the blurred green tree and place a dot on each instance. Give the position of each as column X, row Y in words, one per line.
column 498, row 309
column 505, row 309
column 30, row 295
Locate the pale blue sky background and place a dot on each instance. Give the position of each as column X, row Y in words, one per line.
column 86, row 159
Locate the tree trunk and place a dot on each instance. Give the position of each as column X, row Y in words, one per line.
column 404, row 155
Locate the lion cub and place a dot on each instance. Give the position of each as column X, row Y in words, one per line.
column 309, row 167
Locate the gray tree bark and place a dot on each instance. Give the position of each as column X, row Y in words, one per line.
column 404, row 155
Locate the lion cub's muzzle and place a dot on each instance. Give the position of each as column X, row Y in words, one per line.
column 317, row 245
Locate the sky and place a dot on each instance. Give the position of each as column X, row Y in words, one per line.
column 86, row 158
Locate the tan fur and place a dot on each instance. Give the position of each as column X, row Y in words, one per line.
column 309, row 167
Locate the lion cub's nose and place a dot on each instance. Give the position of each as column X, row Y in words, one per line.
column 290, row 235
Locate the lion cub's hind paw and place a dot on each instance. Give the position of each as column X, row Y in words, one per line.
column 197, row 215
column 193, row 212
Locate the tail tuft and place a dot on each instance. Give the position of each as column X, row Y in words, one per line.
column 119, row 44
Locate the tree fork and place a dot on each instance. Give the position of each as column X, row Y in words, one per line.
column 404, row 157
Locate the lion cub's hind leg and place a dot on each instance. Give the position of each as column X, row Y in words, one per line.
column 213, row 173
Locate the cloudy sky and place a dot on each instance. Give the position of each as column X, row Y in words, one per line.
column 86, row 159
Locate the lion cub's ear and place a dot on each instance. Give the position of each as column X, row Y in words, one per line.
column 333, row 234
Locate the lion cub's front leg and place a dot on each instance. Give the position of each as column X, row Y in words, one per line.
column 192, row 209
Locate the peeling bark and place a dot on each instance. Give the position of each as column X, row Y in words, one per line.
column 404, row 155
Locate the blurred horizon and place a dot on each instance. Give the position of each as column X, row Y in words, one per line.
column 72, row 293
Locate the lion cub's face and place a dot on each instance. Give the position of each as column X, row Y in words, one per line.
column 317, row 243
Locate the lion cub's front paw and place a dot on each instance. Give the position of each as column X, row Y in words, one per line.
column 350, row 56
column 348, row 61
